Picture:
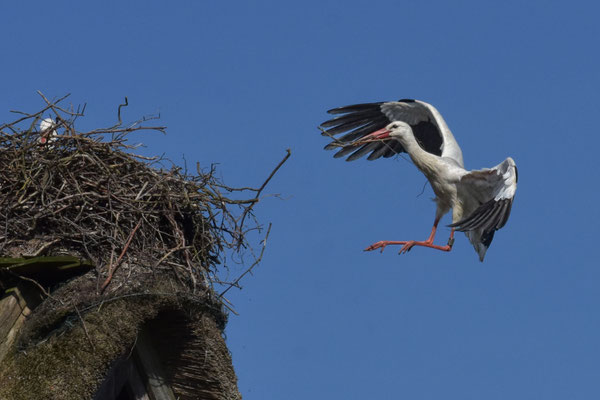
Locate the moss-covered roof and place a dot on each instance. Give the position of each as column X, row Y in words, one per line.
column 63, row 354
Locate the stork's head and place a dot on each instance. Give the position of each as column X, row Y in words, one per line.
column 395, row 130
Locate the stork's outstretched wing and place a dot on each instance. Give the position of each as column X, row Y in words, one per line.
column 494, row 189
column 360, row 120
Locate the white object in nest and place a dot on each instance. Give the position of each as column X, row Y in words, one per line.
column 47, row 131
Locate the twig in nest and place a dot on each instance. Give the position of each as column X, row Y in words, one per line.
column 114, row 267
column 44, row 247
column 38, row 114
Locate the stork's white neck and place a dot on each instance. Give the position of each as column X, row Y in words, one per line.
column 436, row 170
column 423, row 160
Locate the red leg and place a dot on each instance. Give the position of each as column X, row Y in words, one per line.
column 407, row 245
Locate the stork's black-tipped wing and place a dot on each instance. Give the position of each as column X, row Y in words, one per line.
column 495, row 189
column 489, row 216
column 357, row 121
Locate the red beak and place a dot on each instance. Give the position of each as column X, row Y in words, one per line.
column 375, row 136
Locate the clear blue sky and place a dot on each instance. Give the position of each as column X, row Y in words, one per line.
column 239, row 82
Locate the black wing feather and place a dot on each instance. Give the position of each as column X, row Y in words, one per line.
column 372, row 126
column 348, row 138
column 428, row 137
column 347, row 126
column 359, row 120
column 393, row 148
column 489, row 216
column 351, row 118
column 364, row 150
column 477, row 219
column 503, row 218
column 355, row 107
column 487, row 237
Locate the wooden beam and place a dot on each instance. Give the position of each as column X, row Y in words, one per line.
column 151, row 368
column 13, row 312
column 123, row 376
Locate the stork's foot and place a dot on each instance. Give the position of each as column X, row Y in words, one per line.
column 408, row 245
column 381, row 245
column 428, row 243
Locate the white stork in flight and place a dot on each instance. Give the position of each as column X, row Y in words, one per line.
column 480, row 200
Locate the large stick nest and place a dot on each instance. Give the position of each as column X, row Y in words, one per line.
column 87, row 194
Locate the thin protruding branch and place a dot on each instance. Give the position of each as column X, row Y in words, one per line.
column 261, row 188
column 119, row 111
column 254, row 264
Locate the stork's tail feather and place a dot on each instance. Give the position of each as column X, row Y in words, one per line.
column 481, row 241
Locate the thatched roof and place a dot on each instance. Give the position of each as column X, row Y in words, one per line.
column 66, row 355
